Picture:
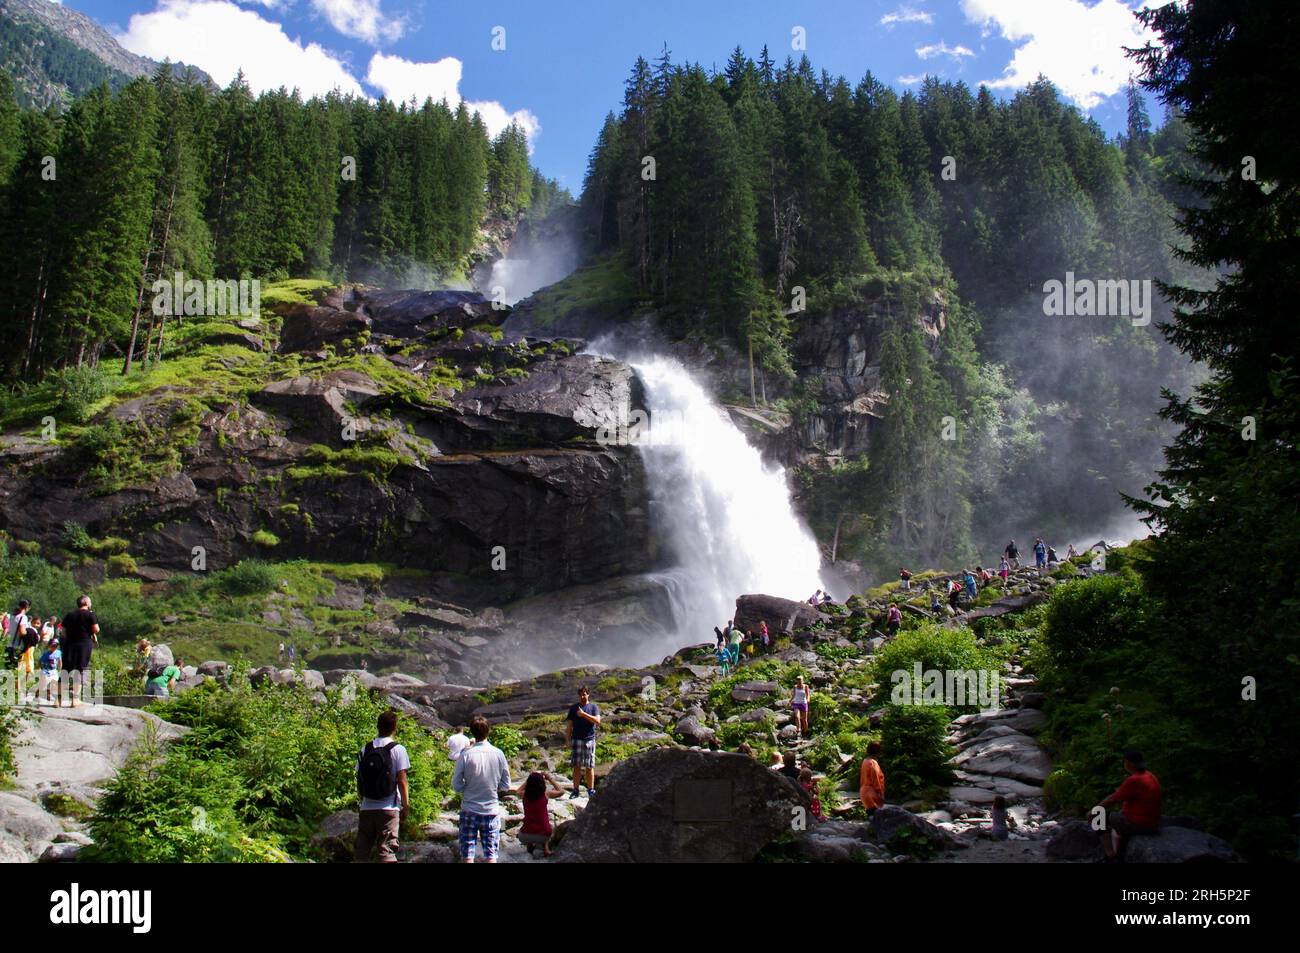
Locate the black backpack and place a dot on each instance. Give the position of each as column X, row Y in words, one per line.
column 377, row 782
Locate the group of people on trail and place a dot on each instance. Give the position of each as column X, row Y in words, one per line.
column 819, row 598
column 1044, row 555
column 731, row 641
column 481, row 778
column 54, row 646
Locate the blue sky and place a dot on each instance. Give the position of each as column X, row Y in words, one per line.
column 564, row 63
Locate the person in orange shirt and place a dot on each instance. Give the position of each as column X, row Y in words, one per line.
column 871, row 785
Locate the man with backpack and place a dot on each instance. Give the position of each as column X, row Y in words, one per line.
column 385, row 799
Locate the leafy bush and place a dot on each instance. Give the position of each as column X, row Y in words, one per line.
column 509, row 739
column 8, row 728
column 266, row 539
column 249, row 577
column 50, row 590
column 915, row 753
column 1087, row 618
column 79, row 389
column 75, row 537
column 936, row 648
column 121, row 564
column 122, row 612
column 253, row 778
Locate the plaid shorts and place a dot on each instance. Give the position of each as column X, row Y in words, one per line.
column 485, row 828
column 584, row 753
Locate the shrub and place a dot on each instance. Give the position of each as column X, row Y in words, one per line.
column 123, row 564
column 254, row 777
column 50, row 590
column 266, row 539
column 79, row 389
column 248, row 577
column 121, row 611
column 8, row 728
column 915, row 753
column 75, row 538
column 1091, row 616
column 936, row 648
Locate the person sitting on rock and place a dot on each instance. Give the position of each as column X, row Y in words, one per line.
column 536, row 830
column 789, row 767
column 1139, row 799
column 998, row 828
column 806, row 782
column 815, row 599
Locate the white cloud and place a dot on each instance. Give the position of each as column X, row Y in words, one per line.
column 943, row 49
column 911, row 80
column 906, row 14
column 361, row 20
column 1077, row 47
column 221, row 38
column 400, row 80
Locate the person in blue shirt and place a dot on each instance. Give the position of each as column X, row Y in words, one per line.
column 482, row 775
column 580, row 733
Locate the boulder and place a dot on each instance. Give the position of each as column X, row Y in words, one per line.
column 891, row 819
column 781, row 615
column 337, row 835
column 318, row 405
column 837, row 842
column 754, row 691
column 1013, row 755
column 1177, row 845
column 215, row 669
column 309, row 328
column 692, row 732
column 675, row 805
column 1074, row 840
column 59, row 854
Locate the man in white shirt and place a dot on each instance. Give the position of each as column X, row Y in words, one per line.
column 385, row 799
column 457, row 743
column 482, row 774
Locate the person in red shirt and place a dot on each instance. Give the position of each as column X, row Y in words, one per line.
column 1139, row 797
column 536, row 830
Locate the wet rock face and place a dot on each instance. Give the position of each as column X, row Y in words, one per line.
column 476, row 458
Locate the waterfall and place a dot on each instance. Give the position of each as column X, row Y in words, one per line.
column 726, row 516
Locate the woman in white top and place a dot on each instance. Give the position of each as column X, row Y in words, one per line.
column 799, row 703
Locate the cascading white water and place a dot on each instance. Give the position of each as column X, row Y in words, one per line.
column 726, row 515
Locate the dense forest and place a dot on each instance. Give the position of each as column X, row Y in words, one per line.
column 168, row 175
column 723, row 191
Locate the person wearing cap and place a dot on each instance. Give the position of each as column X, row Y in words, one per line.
column 1139, row 814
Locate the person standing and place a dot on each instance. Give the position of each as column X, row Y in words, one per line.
column 737, row 637
column 580, row 733
column 871, row 781
column 457, row 743
column 80, row 636
column 905, row 578
column 1040, row 555
column 799, row 699
column 482, row 775
column 382, row 788
column 1012, row 552
column 894, row 619
column 765, row 636
column 51, row 665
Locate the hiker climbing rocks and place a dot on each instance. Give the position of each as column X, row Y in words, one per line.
column 580, row 734
column 1040, row 555
column 806, row 782
column 737, row 637
column 904, row 579
column 1012, row 553
column 1139, row 799
column 765, row 637
column 893, row 619
column 799, row 699
column 969, row 580
column 1004, row 569
column 161, row 679
column 382, row 789
column 51, row 665
column 482, row 774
